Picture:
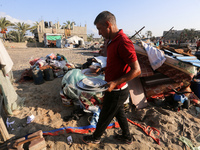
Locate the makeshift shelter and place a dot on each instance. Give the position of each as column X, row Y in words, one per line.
column 75, row 40
column 175, row 72
column 11, row 99
column 52, row 40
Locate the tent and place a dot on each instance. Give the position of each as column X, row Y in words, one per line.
column 75, row 40
column 54, row 39
column 11, row 99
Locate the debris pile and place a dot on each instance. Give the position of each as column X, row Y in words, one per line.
column 46, row 68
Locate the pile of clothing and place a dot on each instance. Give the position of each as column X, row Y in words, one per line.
column 46, row 68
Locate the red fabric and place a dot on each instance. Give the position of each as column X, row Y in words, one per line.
column 88, row 100
column 32, row 62
column 198, row 43
column 148, row 130
column 120, row 52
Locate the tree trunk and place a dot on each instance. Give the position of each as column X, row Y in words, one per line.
column 4, row 35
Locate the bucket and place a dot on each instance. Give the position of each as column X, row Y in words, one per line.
column 195, row 86
column 48, row 74
column 37, row 76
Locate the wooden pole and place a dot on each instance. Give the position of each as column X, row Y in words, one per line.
column 167, row 32
column 3, row 129
column 137, row 32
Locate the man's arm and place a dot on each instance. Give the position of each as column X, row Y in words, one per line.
column 134, row 72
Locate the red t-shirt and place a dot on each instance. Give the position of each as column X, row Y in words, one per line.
column 120, row 52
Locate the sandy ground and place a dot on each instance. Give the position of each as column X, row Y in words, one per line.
column 44, row 102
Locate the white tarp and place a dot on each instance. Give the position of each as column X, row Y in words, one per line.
column 5, row 60
column 156, row 57
column 75, row 40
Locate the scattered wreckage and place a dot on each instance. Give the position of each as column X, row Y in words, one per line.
column 165, row 75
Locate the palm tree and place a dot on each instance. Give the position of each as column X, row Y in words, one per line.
column 149, row 34
column 68, row 24
column 188, row 34
column 4, row 24
column 90, row 37
column 192, row 34
column 71, row 24
column 22, row 28
column 35, row 25
column 185, row 34
column 16, row 36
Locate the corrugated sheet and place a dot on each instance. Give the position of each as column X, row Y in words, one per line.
column 193, row 60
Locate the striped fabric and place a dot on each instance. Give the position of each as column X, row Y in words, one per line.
column 66, row 101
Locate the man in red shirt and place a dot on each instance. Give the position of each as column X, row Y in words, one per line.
column 122, row 66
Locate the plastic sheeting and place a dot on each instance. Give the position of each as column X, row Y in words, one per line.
column 5, row 60
column 102, row 60
column 69, row 84
column 54, row 37
column 75, row 40
column 156, row 57
column 11, row 100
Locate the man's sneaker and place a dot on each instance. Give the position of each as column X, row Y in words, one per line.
column 90, row 139
column 123, row 139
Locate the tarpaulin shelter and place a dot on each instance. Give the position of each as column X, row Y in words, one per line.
column 54, row 39
column 11, row 99
column 75, row 40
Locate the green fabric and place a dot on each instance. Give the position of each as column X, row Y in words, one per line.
column 188, row 143
column 53, row 37
column 69, row 81
column 11, row 99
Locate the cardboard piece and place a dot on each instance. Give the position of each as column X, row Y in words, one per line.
column 137, row 95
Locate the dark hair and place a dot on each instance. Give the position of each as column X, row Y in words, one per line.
column 105, row 16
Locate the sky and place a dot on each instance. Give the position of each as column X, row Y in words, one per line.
column 131, row 15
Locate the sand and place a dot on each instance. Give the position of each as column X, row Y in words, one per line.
column 44, row 102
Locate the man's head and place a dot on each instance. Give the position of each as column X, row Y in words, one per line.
column 105, row 16
column 106, row 24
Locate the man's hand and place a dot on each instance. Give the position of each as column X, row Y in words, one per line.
column 111, row 85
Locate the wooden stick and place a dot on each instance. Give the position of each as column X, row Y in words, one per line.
column 137, row 32
column 25, row 141
column 167, row 32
